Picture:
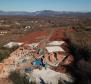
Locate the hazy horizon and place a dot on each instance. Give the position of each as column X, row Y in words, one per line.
column 44, row 10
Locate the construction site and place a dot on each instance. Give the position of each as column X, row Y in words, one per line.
column 38, row 51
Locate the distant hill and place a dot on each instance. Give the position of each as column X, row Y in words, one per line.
column 14, row 13
column 45, row 13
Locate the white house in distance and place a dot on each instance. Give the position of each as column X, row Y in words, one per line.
column 55, row 46
column 55, row 43
column 3, row 32
column 51, row 49
column 12, row 44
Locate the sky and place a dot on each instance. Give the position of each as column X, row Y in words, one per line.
column 37, row 5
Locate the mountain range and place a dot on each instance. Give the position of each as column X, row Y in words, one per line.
column 45, row 13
